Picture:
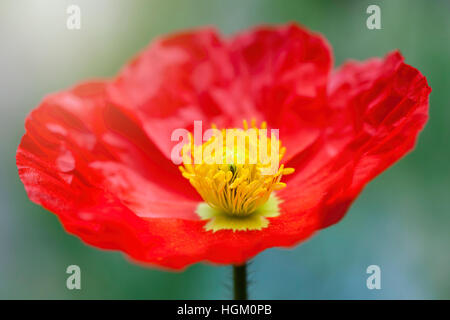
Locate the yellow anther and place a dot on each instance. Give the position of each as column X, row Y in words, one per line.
column 279, row 186
column 220, row 175
column 245, row 124
column 287, row 171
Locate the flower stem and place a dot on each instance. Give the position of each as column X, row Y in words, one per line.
column 240, row 282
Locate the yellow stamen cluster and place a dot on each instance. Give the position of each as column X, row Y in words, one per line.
column 236, row 178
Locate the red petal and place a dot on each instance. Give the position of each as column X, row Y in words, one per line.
column 83, row 160
column 177, row 80
column 285, row 70
column 379, row 107
column 277, row 74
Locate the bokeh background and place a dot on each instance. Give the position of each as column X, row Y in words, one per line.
column 401, row 222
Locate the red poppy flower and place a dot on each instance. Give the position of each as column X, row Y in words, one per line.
column 99, row 155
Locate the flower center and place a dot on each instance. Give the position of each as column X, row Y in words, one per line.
column 235, row 172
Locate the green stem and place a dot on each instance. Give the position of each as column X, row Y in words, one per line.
column 240, row 282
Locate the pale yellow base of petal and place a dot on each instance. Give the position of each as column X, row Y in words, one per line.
column 219, row 220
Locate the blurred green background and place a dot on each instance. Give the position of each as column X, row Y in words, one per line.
column 400, row 222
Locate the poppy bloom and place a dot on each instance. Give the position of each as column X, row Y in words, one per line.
column 100, row 154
